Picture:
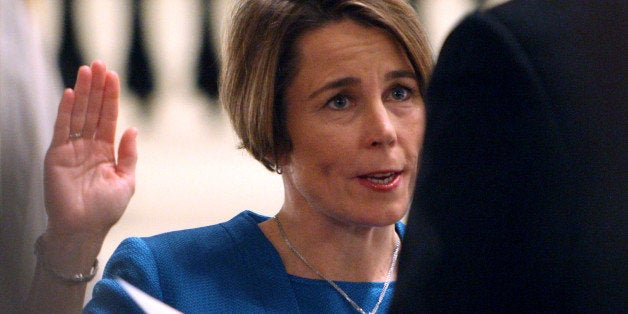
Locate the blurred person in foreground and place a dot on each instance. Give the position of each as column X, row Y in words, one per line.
column 520, row 204
column 329, row 94
column 29, row 89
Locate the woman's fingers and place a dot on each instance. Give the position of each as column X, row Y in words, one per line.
column 62, row 124
column 90, row 110
column 81, row 97
column 106, row 130
column 94, row 103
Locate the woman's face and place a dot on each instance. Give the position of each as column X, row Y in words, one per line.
column 355, row 119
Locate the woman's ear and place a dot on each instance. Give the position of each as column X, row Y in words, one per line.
column 281, row 162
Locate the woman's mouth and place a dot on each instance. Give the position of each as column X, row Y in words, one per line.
column 381, row 181
column 381, row 178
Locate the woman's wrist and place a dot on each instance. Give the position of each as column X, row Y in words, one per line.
column 68, row 258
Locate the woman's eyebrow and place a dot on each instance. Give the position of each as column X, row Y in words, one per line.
column 335, row 84
column 400, row 74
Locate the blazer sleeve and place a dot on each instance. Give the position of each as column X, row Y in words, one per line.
column 132, row 261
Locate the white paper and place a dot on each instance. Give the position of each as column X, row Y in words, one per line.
column 146, row 302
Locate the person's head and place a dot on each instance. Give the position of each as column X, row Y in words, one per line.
column 330, row 93
column 260, row 59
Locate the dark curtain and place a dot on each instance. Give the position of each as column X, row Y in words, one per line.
column 69, row 56
column 208, row 65
column 139, row 68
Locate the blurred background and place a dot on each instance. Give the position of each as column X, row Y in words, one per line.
column 190, row 172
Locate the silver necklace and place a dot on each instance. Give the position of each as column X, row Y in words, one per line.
column 333, row 284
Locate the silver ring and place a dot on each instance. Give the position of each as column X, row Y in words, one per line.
column 76, row 135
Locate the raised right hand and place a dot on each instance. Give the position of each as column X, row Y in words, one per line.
column 86, row 189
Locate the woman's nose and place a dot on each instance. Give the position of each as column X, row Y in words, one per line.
column 379, row 127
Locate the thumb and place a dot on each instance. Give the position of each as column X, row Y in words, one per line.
column 127, row 153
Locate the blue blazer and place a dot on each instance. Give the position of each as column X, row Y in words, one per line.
column 219, row 265
column 226, row 268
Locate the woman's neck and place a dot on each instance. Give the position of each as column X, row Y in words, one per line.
column 339, row 251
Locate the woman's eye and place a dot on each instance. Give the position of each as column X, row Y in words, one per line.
column 400, row 93
column 338, row 102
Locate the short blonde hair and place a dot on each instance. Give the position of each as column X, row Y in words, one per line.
column 259, row 60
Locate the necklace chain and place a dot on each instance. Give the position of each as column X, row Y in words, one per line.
column 332, row 283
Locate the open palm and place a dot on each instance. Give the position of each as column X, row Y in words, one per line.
column 86, row 189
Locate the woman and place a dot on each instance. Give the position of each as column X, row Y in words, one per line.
column 326, row 93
